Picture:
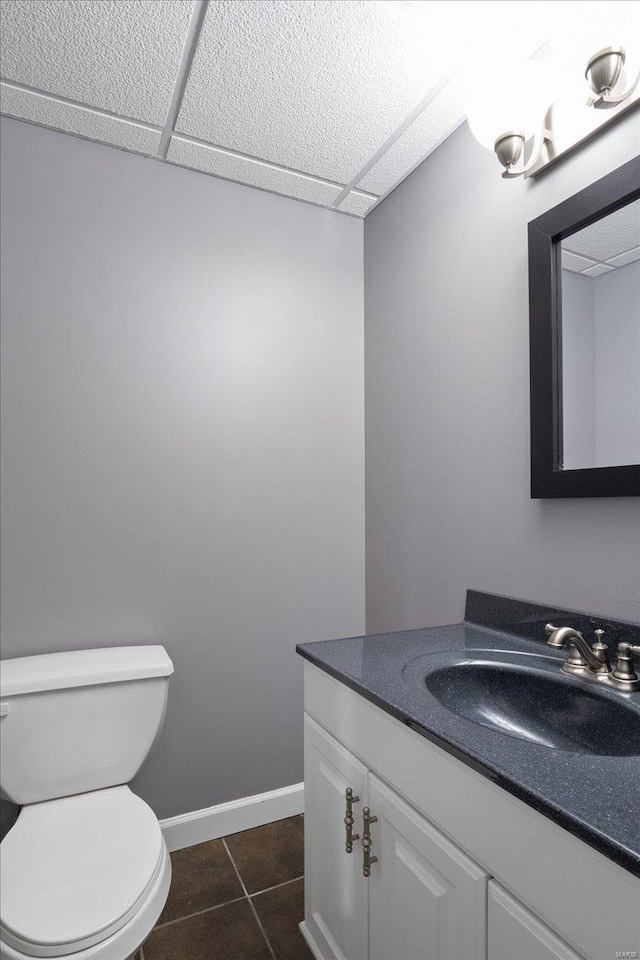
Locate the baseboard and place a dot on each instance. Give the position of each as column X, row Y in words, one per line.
column 311, row 943
column 200, row 825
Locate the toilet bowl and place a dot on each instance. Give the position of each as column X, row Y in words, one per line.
column 85, row 875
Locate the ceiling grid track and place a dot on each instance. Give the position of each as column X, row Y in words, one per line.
column 224, row 88
column 249, row 156
column 190, row 44
column 332, row 104
column 406, row 173
column 12, row 85
column 397, row 133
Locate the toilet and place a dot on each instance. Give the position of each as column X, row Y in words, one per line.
column 85, row 868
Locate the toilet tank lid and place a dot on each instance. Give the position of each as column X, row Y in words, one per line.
column 81, row 668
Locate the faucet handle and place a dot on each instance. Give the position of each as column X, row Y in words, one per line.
column 601, row 649
column 625, row 669
column 549, row 629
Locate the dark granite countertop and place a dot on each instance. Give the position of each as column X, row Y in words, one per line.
column 594, row 796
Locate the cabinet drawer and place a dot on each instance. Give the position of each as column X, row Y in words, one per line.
column 516, row 934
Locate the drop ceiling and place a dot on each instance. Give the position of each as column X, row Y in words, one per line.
column 613, row 241
column 333, row 102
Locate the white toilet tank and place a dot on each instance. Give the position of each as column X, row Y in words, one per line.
column 79, row 721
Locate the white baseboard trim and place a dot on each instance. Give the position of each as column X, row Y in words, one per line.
column 311, row 943
column 200, row 825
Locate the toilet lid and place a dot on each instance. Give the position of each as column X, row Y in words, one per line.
column 74, row 870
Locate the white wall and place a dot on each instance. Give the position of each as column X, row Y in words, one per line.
column 447, row 400
column 183, row 442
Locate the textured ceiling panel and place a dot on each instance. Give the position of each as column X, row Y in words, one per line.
column 606, row 238
column 629, row 256
column 357, row 203
column 317, row 86
column 441, row 117
column 246, row 170
column 118, row 55
column 72, row 118
column 574, row 263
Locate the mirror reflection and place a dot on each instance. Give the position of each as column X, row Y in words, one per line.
column 600, row 284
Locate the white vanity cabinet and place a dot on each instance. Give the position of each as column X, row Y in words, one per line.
column 463, row 869
column 423, row 899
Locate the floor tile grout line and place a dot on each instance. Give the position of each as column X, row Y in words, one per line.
column 233, row 864
column 264, row 933
column 217, row 906
column 245, row 896
column 197, row 913
column 276, row 886
column 248, row 898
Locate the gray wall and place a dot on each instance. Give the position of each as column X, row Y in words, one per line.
column 579, row 387
column 447, row 401
column 601, row 368
column 616, row 309
column 183, row 442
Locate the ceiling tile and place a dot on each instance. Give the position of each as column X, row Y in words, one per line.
column 317, row 86
column 610, row 236
column 118, row 55
column 629, row 256
column 73, row 118
column 597, row 270
column 571, row 261
column 357, row 203
column 440, row 118
column 222, row 163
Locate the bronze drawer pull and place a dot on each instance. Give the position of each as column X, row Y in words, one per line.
column 349, row 821
column 366, row 842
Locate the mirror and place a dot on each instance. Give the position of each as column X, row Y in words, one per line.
column 584, row 321
column 600, row 287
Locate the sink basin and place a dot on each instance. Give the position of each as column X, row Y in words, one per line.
column 539, row 707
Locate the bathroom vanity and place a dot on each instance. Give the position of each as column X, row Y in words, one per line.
column 464, row 798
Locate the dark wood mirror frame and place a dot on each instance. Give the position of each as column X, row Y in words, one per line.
column 548, row 479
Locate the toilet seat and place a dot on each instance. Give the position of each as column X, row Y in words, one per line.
column 75, row 871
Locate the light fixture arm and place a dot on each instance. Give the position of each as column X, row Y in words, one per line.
column 605, row 100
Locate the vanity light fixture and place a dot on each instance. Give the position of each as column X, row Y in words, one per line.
column 517, row 122
column 603, row 73
column 507, row 107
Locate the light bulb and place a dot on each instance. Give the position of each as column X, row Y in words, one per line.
column 504, row 98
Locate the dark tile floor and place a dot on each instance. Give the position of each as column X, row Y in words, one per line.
column 238, row 898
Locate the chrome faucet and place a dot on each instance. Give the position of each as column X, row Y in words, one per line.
column 591, row 663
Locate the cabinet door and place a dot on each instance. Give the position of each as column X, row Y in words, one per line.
column 335, row 890
column 427, row 899
column 516, row 934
